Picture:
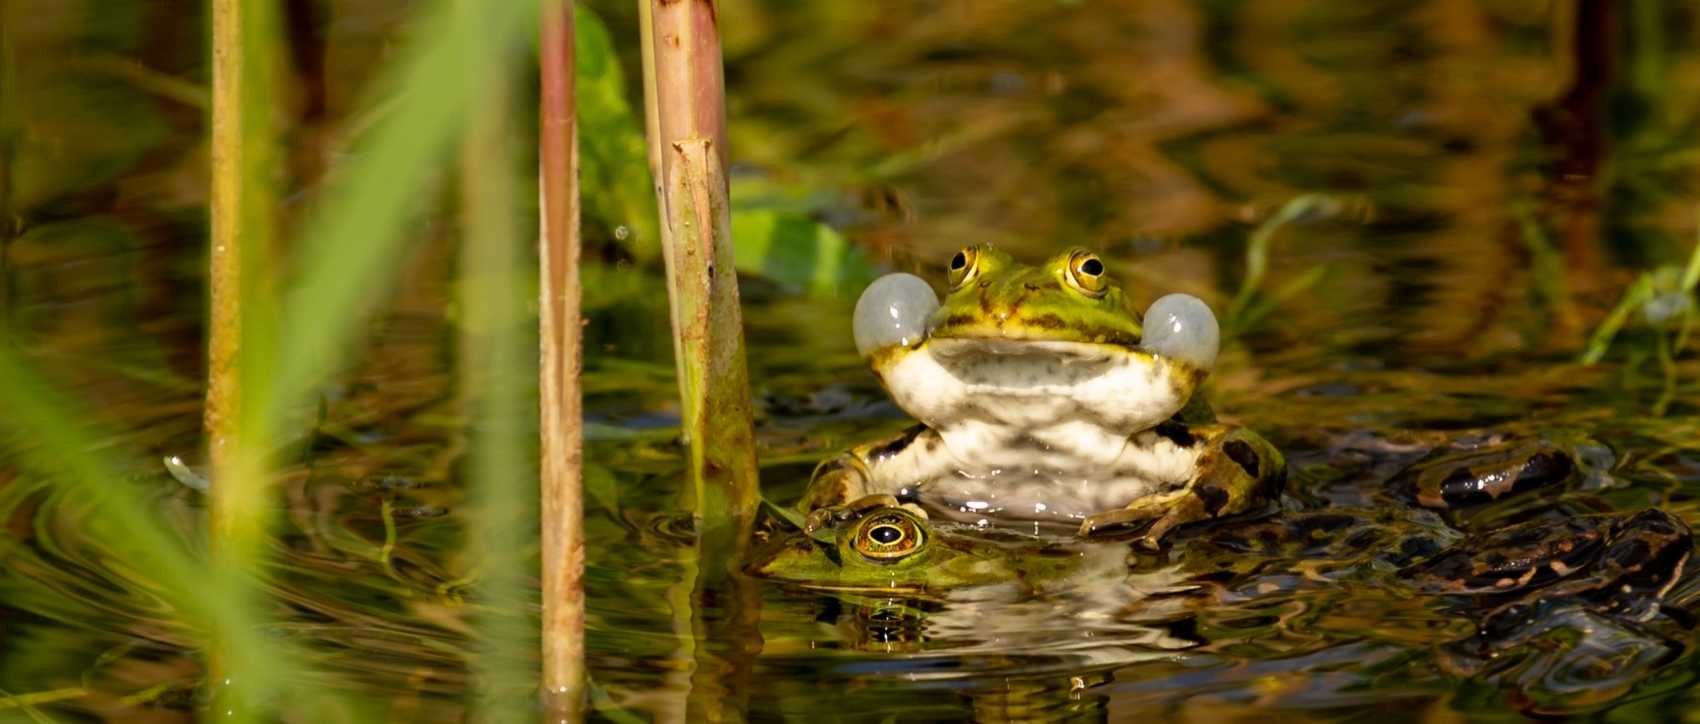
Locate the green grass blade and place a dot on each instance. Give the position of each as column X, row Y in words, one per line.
column 491, row 368
column 48, row 440
column 355, row 242
column 1600, row 341
column 1262, row 241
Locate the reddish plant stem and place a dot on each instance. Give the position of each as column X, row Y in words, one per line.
column 562, row 399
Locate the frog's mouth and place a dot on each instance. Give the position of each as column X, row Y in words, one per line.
column 1014, row 366
column 955, row 348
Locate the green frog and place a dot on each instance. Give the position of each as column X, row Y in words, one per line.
column 1042, row 397
column 895, row 550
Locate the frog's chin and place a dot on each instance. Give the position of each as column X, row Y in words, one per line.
column 1028, row 387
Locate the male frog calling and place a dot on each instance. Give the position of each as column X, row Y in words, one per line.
column 1042, row 398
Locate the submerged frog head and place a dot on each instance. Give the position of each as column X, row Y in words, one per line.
column 893, row 550
column 1023, row 349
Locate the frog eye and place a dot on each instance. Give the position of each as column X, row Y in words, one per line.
column 1086, row 274
column 887, row 537
column 964, row 266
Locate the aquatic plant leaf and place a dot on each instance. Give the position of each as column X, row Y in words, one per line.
column 615, row 184
column 1637, row 294
column 797, row 252
column 1262, row 240
column 783, row 513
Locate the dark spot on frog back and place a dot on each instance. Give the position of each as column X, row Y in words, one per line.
column 1241, row 453
column 1176, row 432
column 1046, row 321
column 1212, row 497
column 899, row 443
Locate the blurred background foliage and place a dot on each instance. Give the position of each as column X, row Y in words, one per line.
column 1493, row 178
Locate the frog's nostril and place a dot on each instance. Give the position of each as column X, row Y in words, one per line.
column 1030, row 286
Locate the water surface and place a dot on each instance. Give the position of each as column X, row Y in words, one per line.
column 1490, row 204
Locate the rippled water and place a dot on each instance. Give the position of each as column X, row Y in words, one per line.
column 1490, row 206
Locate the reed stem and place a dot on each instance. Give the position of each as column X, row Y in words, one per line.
column 245, row 50
column 562, row 402
column 689, row 120
column 243, row 218
column 652, row 132
column 687, row 124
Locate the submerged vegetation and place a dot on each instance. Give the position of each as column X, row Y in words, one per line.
column 1428, row 230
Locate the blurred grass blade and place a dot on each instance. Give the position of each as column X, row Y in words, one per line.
column 347, row 258
column 47, row 439
column 490, row 370
column 354, row 244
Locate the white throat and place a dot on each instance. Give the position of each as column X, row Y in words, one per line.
column 1067, row 406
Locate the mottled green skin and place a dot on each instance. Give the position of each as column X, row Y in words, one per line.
column 1009, row 300
column 941, row 563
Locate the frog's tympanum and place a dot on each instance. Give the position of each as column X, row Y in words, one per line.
column 1042, row 397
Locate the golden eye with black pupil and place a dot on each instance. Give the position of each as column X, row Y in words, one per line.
column 964, row 266
column 887, row 537
column 1086, row 274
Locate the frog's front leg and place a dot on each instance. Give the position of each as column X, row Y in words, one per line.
column 1236, row 470
column 872, row 476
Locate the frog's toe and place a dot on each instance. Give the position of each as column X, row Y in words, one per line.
column 916, row 509
column 869, row 502
column 1111, row 522
column 822, row 518
column 1162, row 515
column 832, row 515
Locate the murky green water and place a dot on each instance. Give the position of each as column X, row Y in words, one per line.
column 1492, row 206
